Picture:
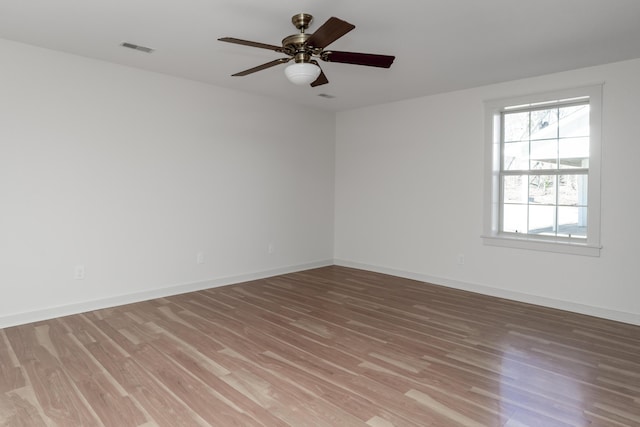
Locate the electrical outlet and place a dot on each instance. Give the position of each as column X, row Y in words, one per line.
column 271, row 248
column 460, row 259
column 78, row 272
column 200, row 258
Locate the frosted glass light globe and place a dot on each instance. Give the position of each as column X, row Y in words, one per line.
column 301, row 73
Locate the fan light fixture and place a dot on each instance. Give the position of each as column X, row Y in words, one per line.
column 302, row 73
column 306, row 49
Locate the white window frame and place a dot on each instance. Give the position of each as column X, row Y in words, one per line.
column 491, row 233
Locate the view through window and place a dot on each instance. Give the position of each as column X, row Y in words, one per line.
column 545, row 169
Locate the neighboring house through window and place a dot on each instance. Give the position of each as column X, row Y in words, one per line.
column 543, row 171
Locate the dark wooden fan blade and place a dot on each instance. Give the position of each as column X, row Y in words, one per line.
column 252, row 44
column 262, row 67
column 329, row 32
column 321, row 80
column 368, row 59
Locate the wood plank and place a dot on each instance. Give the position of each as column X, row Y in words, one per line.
column 325, row 347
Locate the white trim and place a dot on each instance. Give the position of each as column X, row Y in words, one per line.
column 49, row 313
column 66, row 310
column 605, row 313
column 535, row 244
column 491, row 233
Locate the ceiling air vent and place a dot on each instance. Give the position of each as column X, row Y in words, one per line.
column 137, row 47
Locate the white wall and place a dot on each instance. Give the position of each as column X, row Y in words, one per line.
column 409, row 193
column 131, row 173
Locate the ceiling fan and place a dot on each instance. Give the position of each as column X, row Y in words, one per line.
column 304, row 48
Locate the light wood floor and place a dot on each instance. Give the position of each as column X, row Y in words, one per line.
column 325, row 347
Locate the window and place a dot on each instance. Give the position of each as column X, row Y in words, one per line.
column 543, row 171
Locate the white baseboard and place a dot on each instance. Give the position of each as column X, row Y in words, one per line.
column 66, row 310
column 620, row 316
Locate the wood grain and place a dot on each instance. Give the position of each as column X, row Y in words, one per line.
column 326, row 347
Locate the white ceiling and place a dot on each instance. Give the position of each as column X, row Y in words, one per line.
column 440, row 45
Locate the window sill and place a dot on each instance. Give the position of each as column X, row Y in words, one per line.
column 532, row 243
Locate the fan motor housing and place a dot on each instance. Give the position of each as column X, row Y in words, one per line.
column 295, row 43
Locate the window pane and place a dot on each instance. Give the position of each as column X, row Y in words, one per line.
column 516, row 127
column 542, row 220
column 572, row 221
column 544, row 124
column 572, row 190
column 514, row 218
column 542, row 189
column 574, row 121
column 544, row 154
column 515, row 189
column 516, row 156
column 574, row 153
